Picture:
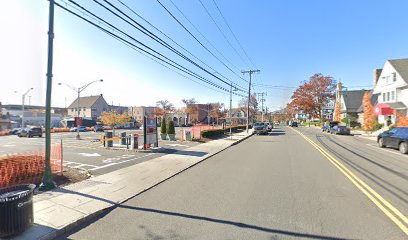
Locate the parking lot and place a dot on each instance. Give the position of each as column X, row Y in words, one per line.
column 88, row 153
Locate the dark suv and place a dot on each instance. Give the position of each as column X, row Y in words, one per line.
column 30, row 132
column 394, row 138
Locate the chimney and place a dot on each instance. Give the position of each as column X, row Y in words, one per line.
column 376, row 76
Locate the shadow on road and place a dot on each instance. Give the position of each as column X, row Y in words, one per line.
column 187, row 153
column 236, row 224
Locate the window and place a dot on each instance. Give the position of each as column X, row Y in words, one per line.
column 94, row 109
column 387, row 79
column 388, row 96
column 394, row 76
column 383, row 97
column 393, row 95
column 73, row 109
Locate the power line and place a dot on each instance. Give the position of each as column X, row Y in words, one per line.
column 222, row 33
column 166, row 60
column 151, row 25
column 156, row 38
column 225, row 20
column 195, row 38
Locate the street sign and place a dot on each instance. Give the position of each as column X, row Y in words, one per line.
column 150, row 131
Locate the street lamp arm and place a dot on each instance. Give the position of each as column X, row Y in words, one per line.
column 87, row 85
column 72, row 87
column 27, row 91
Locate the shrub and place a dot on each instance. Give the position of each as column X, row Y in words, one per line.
column 212, row 133
column 377, row 126
column 170, row 128
column 163, row 126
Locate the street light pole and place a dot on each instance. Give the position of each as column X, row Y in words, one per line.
column 79, row 90
column 22, row 106
column 77, row 120
column 47, row 181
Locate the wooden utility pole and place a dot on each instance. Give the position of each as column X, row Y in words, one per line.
column 249, row 93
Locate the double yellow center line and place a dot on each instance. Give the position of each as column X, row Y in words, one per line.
column 387, row 208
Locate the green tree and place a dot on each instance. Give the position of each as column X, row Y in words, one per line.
column 163, row 125
column 171, row 129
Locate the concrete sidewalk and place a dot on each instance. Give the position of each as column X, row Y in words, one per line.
column 59, row 210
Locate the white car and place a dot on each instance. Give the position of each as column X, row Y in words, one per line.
column 260, row 128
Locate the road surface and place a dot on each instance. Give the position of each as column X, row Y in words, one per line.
column 278, row 186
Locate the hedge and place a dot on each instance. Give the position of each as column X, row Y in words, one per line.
column 212, row 132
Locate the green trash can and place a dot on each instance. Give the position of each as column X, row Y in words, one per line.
column 16, row 209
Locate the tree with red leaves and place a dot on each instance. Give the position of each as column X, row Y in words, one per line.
column 312, row 95
column 368, row 112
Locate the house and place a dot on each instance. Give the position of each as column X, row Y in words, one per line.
column 391, row 86
column 351, row 103
column 90, row 107
column 238, row 116
column 138, row 113
column 328, row 109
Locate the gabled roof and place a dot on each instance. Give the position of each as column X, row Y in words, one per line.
column 353, row 99
column 401, row 66
column 86, row 102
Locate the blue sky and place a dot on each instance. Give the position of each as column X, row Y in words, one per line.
column 287, row 40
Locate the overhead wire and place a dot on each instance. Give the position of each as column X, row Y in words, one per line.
column 156, row 38
column 168, row 37
column 233, row 34
column 222, row 33
column 197, row 40
column 167, row 61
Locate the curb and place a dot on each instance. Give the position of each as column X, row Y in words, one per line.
column 87, row 218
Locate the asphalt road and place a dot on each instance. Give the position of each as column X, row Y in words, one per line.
column 267, row 187
column 87, row 154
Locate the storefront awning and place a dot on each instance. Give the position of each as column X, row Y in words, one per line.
column 388, row 108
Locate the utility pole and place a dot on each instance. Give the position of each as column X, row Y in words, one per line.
column 262, row 101
column 47, row 182
column 230, row 111
column 249, row 93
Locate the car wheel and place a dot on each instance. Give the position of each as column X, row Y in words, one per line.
column 403, row 147
column 381, row 143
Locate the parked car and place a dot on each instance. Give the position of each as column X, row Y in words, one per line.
column 394, row 138
column 342, row 130
column 83, row 129
column 15, row 131
column 328, row 126
column 260, row 128
column 98, row 128
column 294, row 124
column 276, row 123
column 30, row 132
column 107, row 128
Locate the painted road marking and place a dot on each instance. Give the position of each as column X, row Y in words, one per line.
column 376, row 198
column 9, row 145
column 176, row 145
column 69, row 162
column 124, row 161
column 90, row 154
column 388, row 150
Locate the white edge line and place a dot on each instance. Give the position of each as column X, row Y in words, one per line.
column 112, row 164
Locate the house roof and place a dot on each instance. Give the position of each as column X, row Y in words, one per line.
column 353, row 99
column 401, row 66
column 86, row 102
column 397, row 105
